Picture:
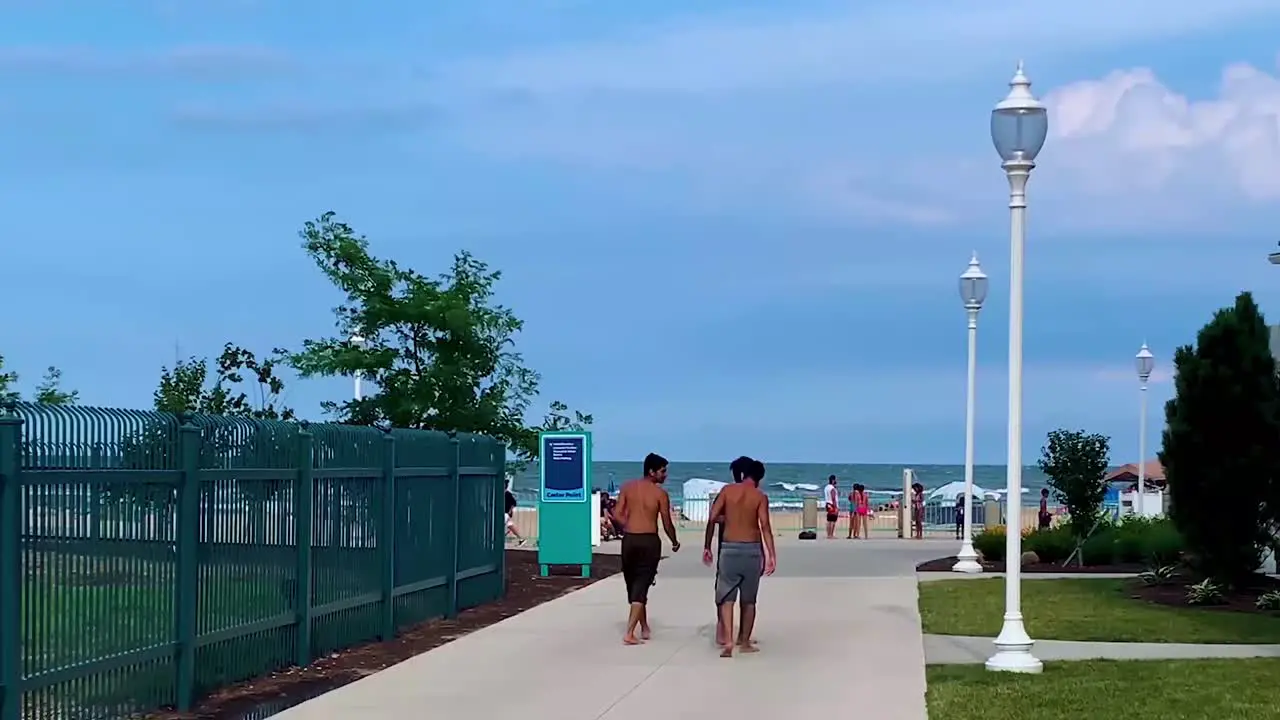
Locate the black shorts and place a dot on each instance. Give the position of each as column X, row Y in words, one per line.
column 833, row 517
column 640, row 555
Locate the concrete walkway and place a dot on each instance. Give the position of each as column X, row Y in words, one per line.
column 966, row 650
column 839, row 620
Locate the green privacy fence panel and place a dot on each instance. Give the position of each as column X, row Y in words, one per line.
column 160, row 557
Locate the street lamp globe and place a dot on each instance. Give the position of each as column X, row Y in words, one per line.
column 357, row 340
column 973, row 285
column 1019, row 123
column 1145, row 363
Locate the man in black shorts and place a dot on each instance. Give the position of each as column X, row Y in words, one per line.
column 641, row 504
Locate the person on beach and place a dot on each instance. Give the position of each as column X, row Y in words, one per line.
column 511, row 517
column 1045, row 517
column 862, row 511
column 917, row 511
column 746, row 553
column 959, row 515
column 641, row 504
column 737, row 470
column 831, row 495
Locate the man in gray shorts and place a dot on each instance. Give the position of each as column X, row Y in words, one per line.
column 746, row 549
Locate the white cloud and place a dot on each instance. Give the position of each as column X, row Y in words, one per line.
column 1130, row 132
column 861, row 42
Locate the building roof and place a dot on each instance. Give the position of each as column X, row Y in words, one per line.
column 1154, row 472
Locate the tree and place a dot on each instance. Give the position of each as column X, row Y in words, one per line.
column 50, row 390
column 1075, row 463
column 1221, row 443
column 182, row 387
column 439, row 351
column 7, row 382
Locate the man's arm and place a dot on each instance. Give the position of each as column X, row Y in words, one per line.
column 664, row 507
column 620, row 509
column 713, row 515
column 766, row 530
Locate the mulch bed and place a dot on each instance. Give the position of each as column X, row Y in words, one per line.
column 944, row 565
column 1174, row 593
column 526, row 588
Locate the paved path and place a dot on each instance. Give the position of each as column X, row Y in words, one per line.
column 936, row 576
column 965, row 650
column 839, row 617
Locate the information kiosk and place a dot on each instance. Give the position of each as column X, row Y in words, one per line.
column 564, row 500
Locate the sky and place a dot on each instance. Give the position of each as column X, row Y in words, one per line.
column 730, row 227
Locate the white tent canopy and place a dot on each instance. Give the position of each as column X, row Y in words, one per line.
column 953, row 490
column 697, row 492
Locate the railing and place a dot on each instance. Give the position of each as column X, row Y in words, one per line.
column 939, row 519
column 160, row 557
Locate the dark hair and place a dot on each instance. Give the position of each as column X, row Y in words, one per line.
column 917, row 487
column 858, row 487
column 653, row 462
column 755, row 471
column 739, row 466
column 831, row 478
column 1044, row 491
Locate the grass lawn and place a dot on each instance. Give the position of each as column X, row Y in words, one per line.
column 1083, row 609
column 1108, row 689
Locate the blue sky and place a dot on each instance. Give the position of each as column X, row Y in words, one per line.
column 730, row 227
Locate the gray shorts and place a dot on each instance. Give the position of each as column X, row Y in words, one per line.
column 738, row 573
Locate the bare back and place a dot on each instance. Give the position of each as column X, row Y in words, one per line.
column 641, row 504
column 745, row 509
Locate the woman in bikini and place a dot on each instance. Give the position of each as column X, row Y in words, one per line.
column 861, row 512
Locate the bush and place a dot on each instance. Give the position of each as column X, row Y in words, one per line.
column 1053, row 545
column 1158, row 575
column 1100, row 548
column 1205, row 592
column 1075, row 463
column 1221, row 443
column 1269, row 602
column 990, row 543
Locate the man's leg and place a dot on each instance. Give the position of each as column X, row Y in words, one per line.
column 633, row 619
column 748, row 592
column 748, row 626
column 726, row 620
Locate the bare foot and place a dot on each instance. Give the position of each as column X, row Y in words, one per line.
column 630, row 640
column 645, row 634
column 748, row 647
column 726, row 651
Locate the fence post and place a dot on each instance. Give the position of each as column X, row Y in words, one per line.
column 11, row 522
column 455, row 484
column 303, row 492
column 387, row 535
column 188, row 531
column 500, row 513
column 95, row 494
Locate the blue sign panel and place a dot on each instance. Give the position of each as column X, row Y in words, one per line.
column 563, row 465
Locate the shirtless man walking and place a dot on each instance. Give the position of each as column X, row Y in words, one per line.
column 738, row 468
column 746, row 545
column 640, row 504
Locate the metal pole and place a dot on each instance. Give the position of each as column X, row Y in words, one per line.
column 1013, row 645
column 967, row 559
column 1142, row 451
column 358, row 395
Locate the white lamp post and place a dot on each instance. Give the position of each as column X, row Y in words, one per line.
column 973, row 290
column 1145, row 363
column 1019, row 126
column 358, row 341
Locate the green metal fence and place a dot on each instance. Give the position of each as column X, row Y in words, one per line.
column 158, row 558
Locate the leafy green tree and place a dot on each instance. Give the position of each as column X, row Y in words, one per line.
column 185, row 387
column 437, row 351
column 50, row 390
column 7, row 382
column 1221, row 444
column 1075, row 463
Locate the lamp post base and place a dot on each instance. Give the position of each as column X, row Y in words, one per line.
column 967, row 559
column 1013, row 650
